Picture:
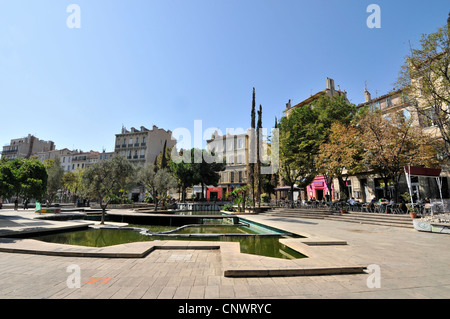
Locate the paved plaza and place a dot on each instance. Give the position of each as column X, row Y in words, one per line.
column 400, row 262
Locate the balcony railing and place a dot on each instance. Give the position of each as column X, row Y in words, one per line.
column 10, row 151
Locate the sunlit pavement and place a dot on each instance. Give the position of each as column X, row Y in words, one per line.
column 402, row 263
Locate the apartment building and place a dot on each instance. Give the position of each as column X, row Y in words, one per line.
column 234, row 150
column 26, row 147
column 365, row 186
column 73, row 160
column 65, row 157
column 329, row 91
column 143, row 145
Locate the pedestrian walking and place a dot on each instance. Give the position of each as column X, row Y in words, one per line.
column 38, row 207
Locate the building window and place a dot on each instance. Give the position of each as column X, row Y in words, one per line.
column 231, row 160
column 406, row 114
column 232, row 177
column 239, row 159
column 240, row 143
column 388, row 102
column 428, row 118
column 375, row 106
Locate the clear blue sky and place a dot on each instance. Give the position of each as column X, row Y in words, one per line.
column 170, row 62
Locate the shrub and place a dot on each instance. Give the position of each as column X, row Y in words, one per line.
column 228, row 208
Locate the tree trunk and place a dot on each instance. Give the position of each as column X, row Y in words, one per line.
column 103, row 206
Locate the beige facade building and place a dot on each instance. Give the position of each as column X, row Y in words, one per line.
column 234, row 150
column 366, row 186
column 143, row 145
column 26, row 147
column 73, row 160
column 329, row 91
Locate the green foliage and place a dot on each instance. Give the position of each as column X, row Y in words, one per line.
column 22, row 177
column 157, row 182
column 228, row 208
column 424, row 81
column 197, row 166
column 72, row 182
column 184, row 174
column 103, row 180
column 265, row 198
column 299, row 141
column 240, row 195
column 55, row 179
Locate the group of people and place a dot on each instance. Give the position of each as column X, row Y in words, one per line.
column 387, row 205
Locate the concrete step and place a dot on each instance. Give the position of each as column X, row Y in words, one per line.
column 394, row 220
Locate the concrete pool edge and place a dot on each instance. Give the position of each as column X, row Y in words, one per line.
column 234, row 263
column 323, row 252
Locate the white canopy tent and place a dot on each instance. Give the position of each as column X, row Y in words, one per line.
column 424, row 172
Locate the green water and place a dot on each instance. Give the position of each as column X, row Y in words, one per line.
column 217, row 230
column 258, row 245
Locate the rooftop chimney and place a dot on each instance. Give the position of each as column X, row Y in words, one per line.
column 288, row 105
column 330, row 84
column 367, row 95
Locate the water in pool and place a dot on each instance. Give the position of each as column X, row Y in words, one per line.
column 251, row 244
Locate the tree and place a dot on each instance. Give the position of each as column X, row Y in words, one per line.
column 105, row 179
column 251, row 149
column 206, row 167
column 241, row 194
column 163, row 159
column 425, row 82
column 300, row 135
column 55, row 178
column 26, row 178
column 72, row 182
column 390, row 143
column 340, row 155
column 157, row 182
column 257, row 174
column 184, row 174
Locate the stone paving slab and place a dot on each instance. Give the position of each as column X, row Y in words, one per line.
column 413, row 265
column 234, row 263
